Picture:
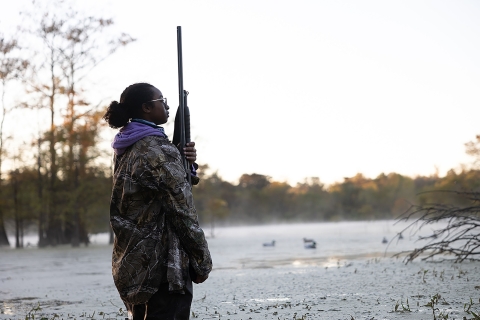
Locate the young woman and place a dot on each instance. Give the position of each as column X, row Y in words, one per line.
column 159, row 247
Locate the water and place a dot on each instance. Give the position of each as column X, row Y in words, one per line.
column 236, row 247
column 239, row 247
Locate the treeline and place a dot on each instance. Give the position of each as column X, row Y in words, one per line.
column 258, row 199
column 83, row 203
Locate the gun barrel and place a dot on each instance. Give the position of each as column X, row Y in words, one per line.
column 184, row 113
column 181, row 99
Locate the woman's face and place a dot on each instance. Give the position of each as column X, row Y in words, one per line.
column 156, row 111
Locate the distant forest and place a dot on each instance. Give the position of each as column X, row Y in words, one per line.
column 59, row 183
column 258, row 199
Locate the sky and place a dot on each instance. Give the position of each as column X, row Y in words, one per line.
column 305, row 88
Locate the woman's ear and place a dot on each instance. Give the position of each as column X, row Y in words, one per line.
column 146, row 108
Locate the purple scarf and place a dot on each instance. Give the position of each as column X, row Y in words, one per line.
column 131, row 133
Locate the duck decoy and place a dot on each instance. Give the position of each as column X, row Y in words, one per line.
column 269, row 244
column 310, row 245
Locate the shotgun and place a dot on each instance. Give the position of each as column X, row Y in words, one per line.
column 181, row 132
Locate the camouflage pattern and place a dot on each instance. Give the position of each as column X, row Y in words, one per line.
column 157, row 235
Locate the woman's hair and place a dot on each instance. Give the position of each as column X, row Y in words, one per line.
column 119, row 113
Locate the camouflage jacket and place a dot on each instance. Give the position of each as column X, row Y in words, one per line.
column 157, row 236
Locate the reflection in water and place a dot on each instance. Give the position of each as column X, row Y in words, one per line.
column 331, row 262
column 297, row 263
column 271, row 300
column 8, row 308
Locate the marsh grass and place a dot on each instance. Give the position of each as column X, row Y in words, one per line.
column 32, row 315
column 405, row 308
column 467, row 308
column 433, row 304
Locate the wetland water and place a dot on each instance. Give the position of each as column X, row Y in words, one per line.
column 346, row 276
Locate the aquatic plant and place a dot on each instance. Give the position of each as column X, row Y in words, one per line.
column 404, row 308
column 434, row 301
column 467, row 308
column 31, row 314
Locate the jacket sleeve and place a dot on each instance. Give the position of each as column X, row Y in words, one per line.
column 167, row 176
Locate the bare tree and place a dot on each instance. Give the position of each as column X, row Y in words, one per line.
column 72, row 45
column 45, row 86
column 81, row 54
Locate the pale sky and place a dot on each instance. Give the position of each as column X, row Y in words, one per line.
column 295, row 89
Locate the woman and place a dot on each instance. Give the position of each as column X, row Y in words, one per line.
column 159, row 247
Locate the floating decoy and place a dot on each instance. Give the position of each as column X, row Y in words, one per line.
column 310, row 245
column 269, row 244
column 384, row 240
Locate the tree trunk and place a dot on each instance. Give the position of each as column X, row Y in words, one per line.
column 54, row 234
column 21, row 233
column 16, row 211
column 3, row 234
column 83, row 233
column 42, row 241
column 76, row 217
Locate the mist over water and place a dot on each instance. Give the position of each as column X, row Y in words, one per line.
column 237, row 247
column 240, row 247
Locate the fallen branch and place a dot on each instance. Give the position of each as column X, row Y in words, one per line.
column 460, row 237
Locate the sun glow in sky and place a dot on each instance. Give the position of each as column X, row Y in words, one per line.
column 295, row 89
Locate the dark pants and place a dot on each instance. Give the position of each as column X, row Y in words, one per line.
column 164, row 305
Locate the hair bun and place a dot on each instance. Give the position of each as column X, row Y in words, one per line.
column 118, row 105
column 116, row 115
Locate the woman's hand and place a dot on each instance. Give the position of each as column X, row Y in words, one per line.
column 200, row 279
column 190, row 151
